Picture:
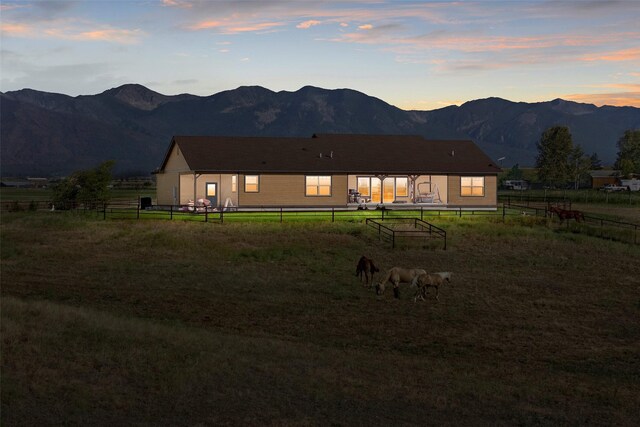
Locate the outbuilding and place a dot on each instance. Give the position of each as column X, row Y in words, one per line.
column 326, row 171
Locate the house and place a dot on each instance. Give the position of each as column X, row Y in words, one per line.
column 326, row 171
column 602, row 177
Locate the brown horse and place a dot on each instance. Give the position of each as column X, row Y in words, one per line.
column 365, row 270
column 567, row 214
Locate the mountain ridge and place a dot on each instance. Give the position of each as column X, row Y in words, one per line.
column 54, row 134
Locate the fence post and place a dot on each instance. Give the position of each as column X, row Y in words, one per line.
column 333, row 214
column 504, row 212
column 421, row 213
column 460, row 210
column 171, row 212
column 280, row 214
column 138, row 209
column 206, row 214
column 221, row 216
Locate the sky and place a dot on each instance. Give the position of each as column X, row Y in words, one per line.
column 416, row 55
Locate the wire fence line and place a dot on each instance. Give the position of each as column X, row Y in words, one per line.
column 510, row 207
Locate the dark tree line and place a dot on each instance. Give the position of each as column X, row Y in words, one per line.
column 559, row 161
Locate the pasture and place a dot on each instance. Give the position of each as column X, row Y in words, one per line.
column 189, row 323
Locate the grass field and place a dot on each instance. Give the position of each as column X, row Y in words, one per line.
column 185, row 323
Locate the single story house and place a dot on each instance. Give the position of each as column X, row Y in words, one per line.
column 326, row 171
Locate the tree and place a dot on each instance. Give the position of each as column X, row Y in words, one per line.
column 515, row 173
column 88, row 187
column 596, row 163
column 579, row 165
column 628, row 160
column 554, row 151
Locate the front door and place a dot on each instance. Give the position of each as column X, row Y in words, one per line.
column 212, row 193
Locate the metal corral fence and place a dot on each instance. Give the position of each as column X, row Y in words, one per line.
column 396, row 228
column 592, row 225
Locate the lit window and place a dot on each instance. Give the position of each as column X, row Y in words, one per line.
column 251, row 183
column 364, row 186
column 234, row 183
column 318, row 186
column 402, row 187
column 472, row 186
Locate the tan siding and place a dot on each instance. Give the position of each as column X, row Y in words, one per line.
column 490, row 198
column 165, row 183
column 289, row 190
column 176, row 162
column 169, row 178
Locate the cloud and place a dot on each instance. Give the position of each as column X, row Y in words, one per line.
column 365, row 27
column 113, row 35
column 618, row 99
column 631, row 54
column 308, row 24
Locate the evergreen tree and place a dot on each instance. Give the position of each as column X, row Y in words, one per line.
column 596, row 163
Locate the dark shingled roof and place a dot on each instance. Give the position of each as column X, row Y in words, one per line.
column 332, row 153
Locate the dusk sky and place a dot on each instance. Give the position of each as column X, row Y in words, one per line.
column 412, row 54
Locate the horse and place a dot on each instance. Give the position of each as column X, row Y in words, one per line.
column 567, row 214
column 398, row 275
column 365, row 270
column 427, row 280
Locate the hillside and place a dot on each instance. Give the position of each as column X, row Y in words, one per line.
column 53, row 134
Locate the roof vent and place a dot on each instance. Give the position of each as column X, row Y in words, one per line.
column 331, row 155
column 453, row 153
column 320, row 155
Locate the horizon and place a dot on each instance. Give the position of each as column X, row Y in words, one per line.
column 316, row 87
column 415, row 55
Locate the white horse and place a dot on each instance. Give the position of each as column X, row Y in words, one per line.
column 396, row 276
column 425, row 281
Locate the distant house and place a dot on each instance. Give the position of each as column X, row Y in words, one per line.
column 326, row 170
column 602, row 177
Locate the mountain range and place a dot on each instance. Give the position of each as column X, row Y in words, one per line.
column 50, row 134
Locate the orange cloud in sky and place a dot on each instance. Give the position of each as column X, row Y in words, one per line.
column 620, row 55
column 233, row 28
column 114, row 35
column 620, row 99
column 307, row 24
column 16, row 30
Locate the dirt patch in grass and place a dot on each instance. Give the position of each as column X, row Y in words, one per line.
column 266, row 324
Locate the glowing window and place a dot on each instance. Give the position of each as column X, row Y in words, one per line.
column 402, row 187
column 234, row 183
column 251, row 183
column 364, row 186
column 472, row 186
column 318, row 186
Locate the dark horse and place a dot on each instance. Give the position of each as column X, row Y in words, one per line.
column 365, row 270
column 567, row 214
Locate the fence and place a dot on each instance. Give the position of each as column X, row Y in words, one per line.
column 592, row 225
column 418, row 229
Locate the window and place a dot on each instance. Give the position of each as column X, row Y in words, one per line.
column 251, row 183
column 318, row 186
column 364, row 186
column 472, row 186
column 402, row 187
column 234, row 183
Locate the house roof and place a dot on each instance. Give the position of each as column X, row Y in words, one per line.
column 332, row 153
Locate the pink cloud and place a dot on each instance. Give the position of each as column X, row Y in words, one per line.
column 619, row 99
column 616, row 56
column 308, row 24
